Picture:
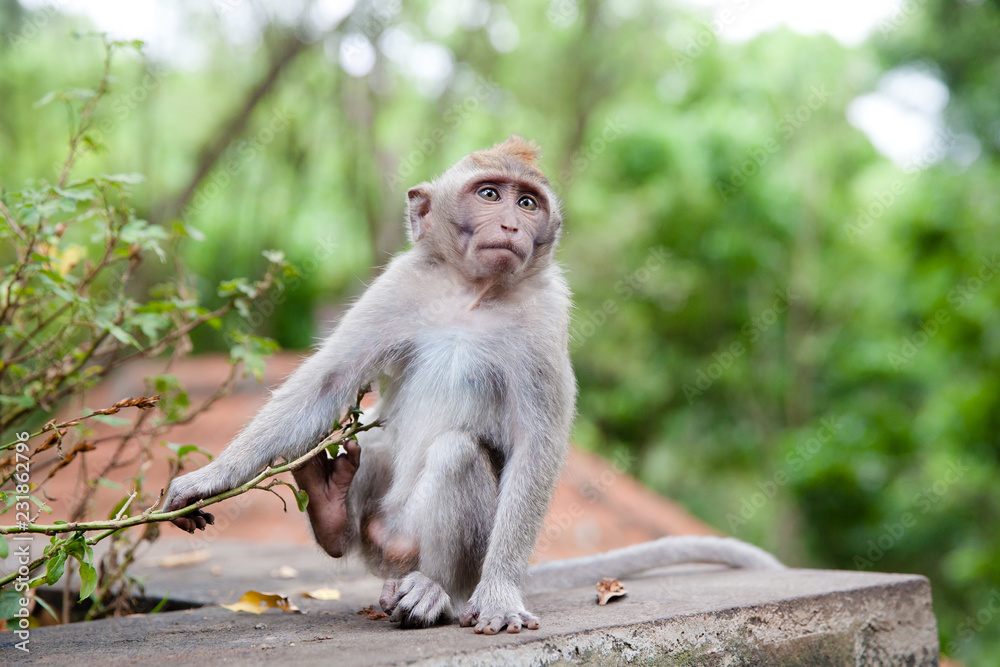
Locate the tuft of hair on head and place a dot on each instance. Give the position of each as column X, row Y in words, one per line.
column 515, row 155
column 523, row 149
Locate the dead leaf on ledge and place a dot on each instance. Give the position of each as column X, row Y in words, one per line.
column 257, row 603
column 371, row 613
column 185, row 558
column 322, row 594
column 608, row 588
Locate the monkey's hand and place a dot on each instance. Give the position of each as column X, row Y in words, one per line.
column 187, row 490
column 326, row 480
column 490, row 609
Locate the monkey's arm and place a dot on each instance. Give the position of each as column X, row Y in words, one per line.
column 303, row 409
column 539, row 438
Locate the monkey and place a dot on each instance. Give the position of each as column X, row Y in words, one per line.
column 465, row 338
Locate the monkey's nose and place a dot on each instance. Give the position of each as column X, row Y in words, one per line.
column 508, row 228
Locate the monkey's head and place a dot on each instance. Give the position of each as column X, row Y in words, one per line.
column 493, row 215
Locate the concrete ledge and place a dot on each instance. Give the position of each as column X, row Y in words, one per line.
column 678, row 616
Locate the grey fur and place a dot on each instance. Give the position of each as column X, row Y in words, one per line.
column 665, row 551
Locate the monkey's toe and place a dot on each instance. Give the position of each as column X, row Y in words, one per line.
column 490, row 626
column 513, row 621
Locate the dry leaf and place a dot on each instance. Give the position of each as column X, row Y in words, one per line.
column 322, row 594
column 185, row 558
column 257, row 603
column 284, row 572
column 371, row 613
column 608, row 588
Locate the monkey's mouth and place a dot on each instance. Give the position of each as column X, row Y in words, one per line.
column 509, row 247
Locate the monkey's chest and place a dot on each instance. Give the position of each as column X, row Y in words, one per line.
column 453, row 377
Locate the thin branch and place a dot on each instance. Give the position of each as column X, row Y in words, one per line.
column 149, row 516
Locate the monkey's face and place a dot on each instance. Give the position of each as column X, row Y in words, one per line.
column 500, row 224
column 492, row 216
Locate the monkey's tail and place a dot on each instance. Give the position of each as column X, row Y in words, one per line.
column 557, row 575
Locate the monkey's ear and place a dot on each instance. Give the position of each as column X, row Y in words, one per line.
column 418, row 208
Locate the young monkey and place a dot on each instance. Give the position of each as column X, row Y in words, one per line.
column 466, row 334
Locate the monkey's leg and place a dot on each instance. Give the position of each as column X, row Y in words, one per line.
column 453, row 504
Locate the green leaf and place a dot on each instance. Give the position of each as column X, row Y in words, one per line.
column 181, row 228
column 122, row 335
column 301, row 499
column 160, row 605
column 21, row 401
column 41, row 504
column 274, row 256
column 88, row 580
column 47, row 98
column 10, row 603
column 4, row 549
column 112, row 420
column 124, row 179
column 117, row 508
column 54, row 568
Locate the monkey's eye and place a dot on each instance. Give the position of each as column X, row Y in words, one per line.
column 489, row 194
column 527, row 203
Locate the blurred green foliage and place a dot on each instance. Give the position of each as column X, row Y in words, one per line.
column 789, row 333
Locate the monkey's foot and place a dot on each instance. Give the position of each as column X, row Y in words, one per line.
column 326, row 481
column 415, row 601
column 491, row 614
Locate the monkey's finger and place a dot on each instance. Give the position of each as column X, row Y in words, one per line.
column 468, row 617
column 530, row 620
column 513, row 623
column 353, row 452
column 183, row 523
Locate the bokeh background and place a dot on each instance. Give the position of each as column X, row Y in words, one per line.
column 781, row 224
